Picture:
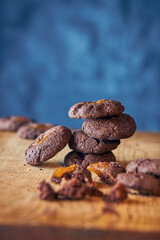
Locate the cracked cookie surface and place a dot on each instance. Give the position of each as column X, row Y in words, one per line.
column 86, row 159
column 96, row 109
column 80, row 142
column 112, row 128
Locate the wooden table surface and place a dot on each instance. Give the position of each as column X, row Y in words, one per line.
column 24, row 216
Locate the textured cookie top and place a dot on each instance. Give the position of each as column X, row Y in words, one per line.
column 86, row 159
column 112, row 128
column 147, row 166
column 96, row 158
column 47, row 145
column 96, row 109
column 80, row 142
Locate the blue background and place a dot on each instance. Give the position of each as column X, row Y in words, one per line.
column 54, row 54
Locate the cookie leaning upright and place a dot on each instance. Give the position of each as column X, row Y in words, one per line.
column 47, row 145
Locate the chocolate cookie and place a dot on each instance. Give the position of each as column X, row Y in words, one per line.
column 109, row 174
column 86, row 159
column 93, row 158
column 47, row 145
column 13, row 123
column 145, row 184
column 96, row 109
column 73, row 158
column 112, row 128
column 33, row 130
column 80, row 142
column 146, row 166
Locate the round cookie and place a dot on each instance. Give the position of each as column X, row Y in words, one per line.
column 73, row 158
column 145, row 184
column 33, row 130
column 13, row 123
column 80, row 142
column 113, row 128
column 47, row 145
column 146, row 166
column 96, row 109
column 86, row 159
column 95, row 158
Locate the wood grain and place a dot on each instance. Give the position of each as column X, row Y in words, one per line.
column 21, row 206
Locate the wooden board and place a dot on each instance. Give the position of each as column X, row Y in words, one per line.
column 21, row 208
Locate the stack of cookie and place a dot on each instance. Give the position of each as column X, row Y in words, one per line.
column 106, row 124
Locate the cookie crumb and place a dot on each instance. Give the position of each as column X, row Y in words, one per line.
column 46, row 191
column 74, row 189
column 117, row 194
column 73, row 171
column 109, row 209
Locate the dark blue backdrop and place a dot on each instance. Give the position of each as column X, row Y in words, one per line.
column 56, row 53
